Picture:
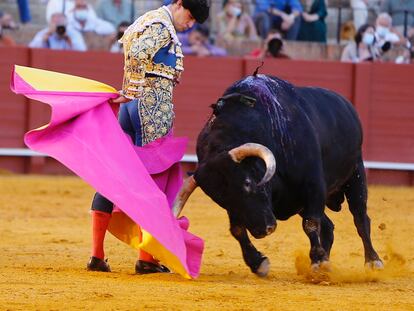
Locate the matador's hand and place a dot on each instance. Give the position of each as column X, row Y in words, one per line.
column 119, row 100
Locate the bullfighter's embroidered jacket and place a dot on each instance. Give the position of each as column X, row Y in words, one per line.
column 151, row 48
column 153, row 61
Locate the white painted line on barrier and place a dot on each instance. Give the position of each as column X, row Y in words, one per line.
column 192, row 158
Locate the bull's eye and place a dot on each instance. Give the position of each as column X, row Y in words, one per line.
column 247, row 185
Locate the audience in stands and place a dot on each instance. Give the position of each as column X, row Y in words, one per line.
column 7, row 21
column 115, row 11
column 59, row 6
column 313, row 26
column 234, row 26
column 363, row 49
column 397, row 8
column 347, row 31
column 59, row 36
column 283, row 15
column 385, row 32
column 84, row 19
column 5, row 40
column 116, row 46
column 272, row 47
column 196, row 42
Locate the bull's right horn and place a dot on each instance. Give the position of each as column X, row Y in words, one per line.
column 256, row 150
column 186, row 190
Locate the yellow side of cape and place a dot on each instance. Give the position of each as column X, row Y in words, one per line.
column 126, row 230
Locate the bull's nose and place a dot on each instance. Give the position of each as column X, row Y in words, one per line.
column 270, row 229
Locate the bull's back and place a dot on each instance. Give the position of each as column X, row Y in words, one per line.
column 337, row 128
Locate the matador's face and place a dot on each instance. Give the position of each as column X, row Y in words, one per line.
column 182, row 18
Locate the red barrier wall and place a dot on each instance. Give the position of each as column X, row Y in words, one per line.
column 382, row 94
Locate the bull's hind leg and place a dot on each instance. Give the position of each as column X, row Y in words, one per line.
column 327, row 235
column 356, row 195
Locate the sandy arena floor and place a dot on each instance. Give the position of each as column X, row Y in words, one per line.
column 45, row 239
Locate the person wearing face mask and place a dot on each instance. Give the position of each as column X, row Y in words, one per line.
column 83, row 18
column 235, row 27
column 385, row 32
column 363, row 48
column 153, row 63
column 58, row 36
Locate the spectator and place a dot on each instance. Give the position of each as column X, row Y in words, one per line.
column 116, row 46
column 83, row 18
column 397, row 8
column 283, row 15
column 360, row 12
column 196, row 42
column 313, row 26
column 59, row 36
column 115, row 11
column 5, row 40
column 363, row 49
column 58, row 6
column 272, row 47
column 384, row 30
column 7, row 21
column 234, row 25
column 347, row 32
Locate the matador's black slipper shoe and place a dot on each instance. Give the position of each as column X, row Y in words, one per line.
column 97, row 264
column 145, row 267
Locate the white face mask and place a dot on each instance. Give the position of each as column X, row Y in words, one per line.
column 81, row 15
column 382, row 31
column 235, row 11
column 368, row 39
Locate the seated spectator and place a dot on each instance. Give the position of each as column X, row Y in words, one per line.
column 313, row 26
column 116, row 46
column 58, row 36
column 115, row 11
column 58, row 6
column 396, row 9
column 234, row 25
column 7, row 21
column 347, row 32
column 196, row 42
column 283, row 15
column 363, row 49
column 83, row 18
column 385, row 32
column 272, row 47
column 5, row 40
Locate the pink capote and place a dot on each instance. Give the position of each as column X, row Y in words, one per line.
column 85, row 136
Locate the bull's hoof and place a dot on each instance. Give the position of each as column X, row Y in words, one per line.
column 264, row 267
column 374, row 265
column 321, row 266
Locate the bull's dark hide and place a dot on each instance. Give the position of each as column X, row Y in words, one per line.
column 315, row 137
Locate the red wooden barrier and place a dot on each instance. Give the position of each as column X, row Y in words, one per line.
column 382, row 94
column 13, row 109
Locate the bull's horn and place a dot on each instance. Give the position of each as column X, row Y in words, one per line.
column 187, row 188
column 256, row 150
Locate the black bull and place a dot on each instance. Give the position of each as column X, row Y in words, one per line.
column 313, row 135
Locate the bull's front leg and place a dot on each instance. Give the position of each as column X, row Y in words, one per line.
column 257, row 262
column 312, row 215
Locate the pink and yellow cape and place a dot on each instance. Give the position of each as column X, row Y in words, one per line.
column 84, row 135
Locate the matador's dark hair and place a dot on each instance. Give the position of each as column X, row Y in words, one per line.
column 199, row 9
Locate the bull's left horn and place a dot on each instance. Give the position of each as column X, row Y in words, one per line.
column 188, row 187
column 256, row 150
